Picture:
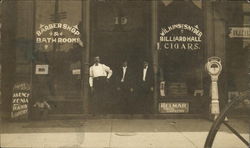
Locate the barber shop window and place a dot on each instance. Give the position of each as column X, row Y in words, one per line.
column 58, row 54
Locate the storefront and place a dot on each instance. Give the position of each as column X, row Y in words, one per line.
column 182, row 57
column 51, row 44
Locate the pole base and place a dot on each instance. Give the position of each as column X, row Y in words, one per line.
column 212, row 117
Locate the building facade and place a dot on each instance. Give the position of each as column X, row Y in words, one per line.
column 48, row 47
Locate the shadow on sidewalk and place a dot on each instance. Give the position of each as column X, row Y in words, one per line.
column 120, row 125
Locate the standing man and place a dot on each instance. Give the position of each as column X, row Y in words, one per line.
column 99, row 75
column 125, row 88
column 145, row 88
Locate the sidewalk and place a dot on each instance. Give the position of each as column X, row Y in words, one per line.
column 119, row 133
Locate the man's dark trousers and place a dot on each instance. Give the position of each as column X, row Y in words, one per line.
column 126, row 99
column 100, row 94
column 144, row 96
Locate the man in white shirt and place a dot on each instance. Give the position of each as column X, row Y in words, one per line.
column 99, row 75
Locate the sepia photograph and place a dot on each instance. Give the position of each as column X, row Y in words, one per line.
column 124, row 73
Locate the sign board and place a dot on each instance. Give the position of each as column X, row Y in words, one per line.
column 174, row 107
column 177, row 32
column 57, row 36
column 42, row 69
column 239, row 32
column 181, row 37
column 20, row 101
column 76, row 71
column 51, row 36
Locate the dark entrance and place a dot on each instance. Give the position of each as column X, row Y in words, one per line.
column 120, row 31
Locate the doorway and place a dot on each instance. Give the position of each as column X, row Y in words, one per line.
column 120, row 31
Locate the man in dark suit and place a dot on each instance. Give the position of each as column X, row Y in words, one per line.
column 125, row 88
column 145, row 87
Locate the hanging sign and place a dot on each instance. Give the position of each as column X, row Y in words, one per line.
column 20, row 101
column 239, row 32
column 180, row 37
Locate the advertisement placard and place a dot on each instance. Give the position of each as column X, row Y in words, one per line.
column 174, row 107
column 20, row 101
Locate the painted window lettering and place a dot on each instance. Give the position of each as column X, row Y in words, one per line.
column 182, row 46
column 57, row 33
column 44, row 28
column 57, row 40
column 180, row 39
column 195, row 30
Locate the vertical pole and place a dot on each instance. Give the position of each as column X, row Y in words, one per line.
column 32, row 51
column 55, row 48
column 0, row 56
column 215, row 108
column 154, row 10
column 209, row 28
column 85, row 74
column 209, row 42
